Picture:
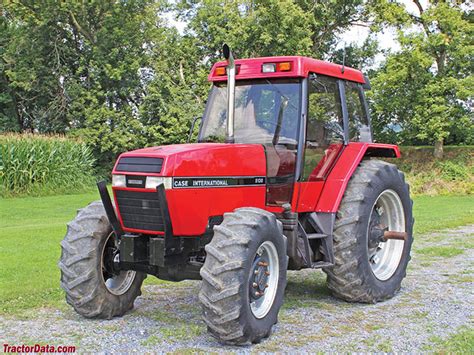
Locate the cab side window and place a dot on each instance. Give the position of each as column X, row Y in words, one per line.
column 359, row 128
column 324, row 128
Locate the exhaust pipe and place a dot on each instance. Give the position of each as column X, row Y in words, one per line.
column 230, row 93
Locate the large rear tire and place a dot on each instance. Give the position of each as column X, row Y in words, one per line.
column 244, row 276
column 92, row 287
column 367, row 269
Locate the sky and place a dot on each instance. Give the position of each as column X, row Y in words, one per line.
column 386, row 39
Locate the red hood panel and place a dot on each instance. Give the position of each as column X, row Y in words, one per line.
column 207, row 159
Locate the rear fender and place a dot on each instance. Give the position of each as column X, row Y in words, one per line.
column 337, row 180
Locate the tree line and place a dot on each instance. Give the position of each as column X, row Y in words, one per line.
column 118, row 75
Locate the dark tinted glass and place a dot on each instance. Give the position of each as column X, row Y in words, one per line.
column 324, row 128
column 359, row 129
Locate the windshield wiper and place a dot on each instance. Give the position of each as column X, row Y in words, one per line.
column 275, row 87
column 283, row 105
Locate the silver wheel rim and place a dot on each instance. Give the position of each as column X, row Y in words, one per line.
column 385, row 257
column 117, row 284
column 261, row 306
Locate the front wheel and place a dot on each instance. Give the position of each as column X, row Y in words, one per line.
column 244, row 276
column 368, row 267
column 94, row 288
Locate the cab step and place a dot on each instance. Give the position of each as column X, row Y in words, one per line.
column 316, row 235
column 320, row 264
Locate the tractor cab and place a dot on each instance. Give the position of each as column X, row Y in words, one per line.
column 301, row 110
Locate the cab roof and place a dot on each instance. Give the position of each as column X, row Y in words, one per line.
column 300, row 67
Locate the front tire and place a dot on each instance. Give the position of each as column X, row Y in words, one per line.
column 92, row 287
column 244, row 276
column 366, row 269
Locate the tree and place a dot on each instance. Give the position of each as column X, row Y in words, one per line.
column 176, row 91
column 426, row 87
column 269, row 27
column 250, row 28
column 59, row 51
column 8, row 115
column 108, row 86
column 30, row 70
column 113, row 73
column 357, row 56
column 329, row 19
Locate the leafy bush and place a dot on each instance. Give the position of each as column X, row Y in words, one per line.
column 453, row 175
column 451, row 170
column 38, row 165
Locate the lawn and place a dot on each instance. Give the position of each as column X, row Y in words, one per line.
column 439, row 212
column 31, row 229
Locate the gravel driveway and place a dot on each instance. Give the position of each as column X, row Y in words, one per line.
column 435, row 301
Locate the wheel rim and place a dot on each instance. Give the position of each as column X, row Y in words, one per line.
column 117, row 283
column 387, row 214
column 264, row 279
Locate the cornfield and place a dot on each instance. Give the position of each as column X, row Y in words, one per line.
column 33, row 164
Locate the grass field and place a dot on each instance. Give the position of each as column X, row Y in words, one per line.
column 31, row 229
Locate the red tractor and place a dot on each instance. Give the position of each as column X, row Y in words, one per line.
column 283, row 177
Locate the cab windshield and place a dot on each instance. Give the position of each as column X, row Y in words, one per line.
column 266, row 112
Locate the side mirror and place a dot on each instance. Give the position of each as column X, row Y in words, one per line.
column 366, row 86
column 192, row 128
column 335, row 128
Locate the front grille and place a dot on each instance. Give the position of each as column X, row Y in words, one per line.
column 140, row 165
column 140, row 210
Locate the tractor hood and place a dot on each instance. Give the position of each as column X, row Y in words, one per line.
column 199, row 159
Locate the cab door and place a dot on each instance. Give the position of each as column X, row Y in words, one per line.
column 325, row 137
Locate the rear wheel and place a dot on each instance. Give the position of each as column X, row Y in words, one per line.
column 244, row 276
column 368, row 268
column 93, row 286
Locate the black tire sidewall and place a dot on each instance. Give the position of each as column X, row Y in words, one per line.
column 258, row 328
column 390, row 180
column 86, row 237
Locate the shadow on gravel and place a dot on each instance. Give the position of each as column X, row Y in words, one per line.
column 306, row 288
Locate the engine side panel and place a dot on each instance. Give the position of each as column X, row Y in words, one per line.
column 190, row 209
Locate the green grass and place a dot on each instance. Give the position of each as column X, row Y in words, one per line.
column 31, row 229
column 182, row 332
column 434, row 213
column 461, row 342
column 440, row 251
column 378, row 344
column 30, row 232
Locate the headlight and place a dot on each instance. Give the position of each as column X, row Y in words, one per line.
column 268, row 68
column 153, row 181
column 119, row 181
